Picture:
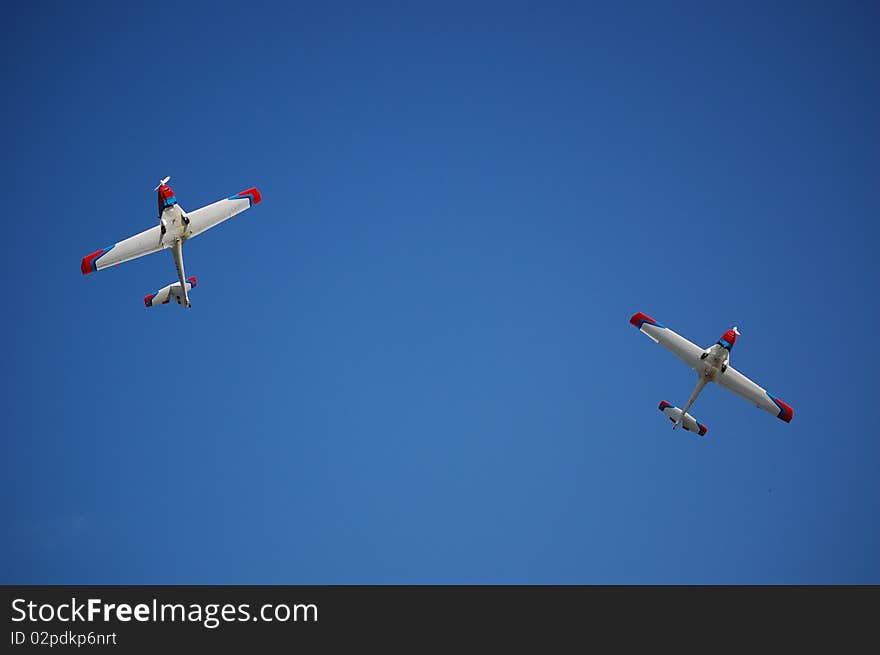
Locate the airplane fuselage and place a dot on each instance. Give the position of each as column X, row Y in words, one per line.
column 712, row 365
column 175, row 226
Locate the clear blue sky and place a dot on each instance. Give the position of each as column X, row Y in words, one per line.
column 412, row 362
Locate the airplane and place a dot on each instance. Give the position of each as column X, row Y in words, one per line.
column 175, row 227
column 712, row 365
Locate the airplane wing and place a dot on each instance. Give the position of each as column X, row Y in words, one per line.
column 685, row 350
column 139, row 245
column 217, row 212
column 734, row 381
column 147, row 242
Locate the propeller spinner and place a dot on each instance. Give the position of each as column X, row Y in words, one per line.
column 165, row 181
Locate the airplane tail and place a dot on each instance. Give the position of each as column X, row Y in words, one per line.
column 172, row 292
column 678, row 417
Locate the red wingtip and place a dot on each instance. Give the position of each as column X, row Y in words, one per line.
column 786, row 413
column 638, row 319
column 254, row 192
column 88, row 262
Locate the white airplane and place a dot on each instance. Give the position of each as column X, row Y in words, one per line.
column 174, row 228
column 712, row 365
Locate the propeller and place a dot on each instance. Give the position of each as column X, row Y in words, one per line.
column 736, row 330
column 165, row 181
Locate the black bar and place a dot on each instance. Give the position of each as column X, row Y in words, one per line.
column 421, row 617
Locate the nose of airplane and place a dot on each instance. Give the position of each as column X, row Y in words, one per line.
column 730, row 336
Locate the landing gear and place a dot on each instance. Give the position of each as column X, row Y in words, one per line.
column 704, row 355
column 185, row 219
column 723, row 367
column 162, row 231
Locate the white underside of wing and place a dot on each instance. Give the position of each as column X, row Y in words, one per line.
column 206, row 217
column 141, row 244
column 685, row 350
column 734, row 381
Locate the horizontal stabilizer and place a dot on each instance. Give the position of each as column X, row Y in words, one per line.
column 689, row 423
column 173, row 291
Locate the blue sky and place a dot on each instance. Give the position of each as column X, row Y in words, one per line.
column 412, row 362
